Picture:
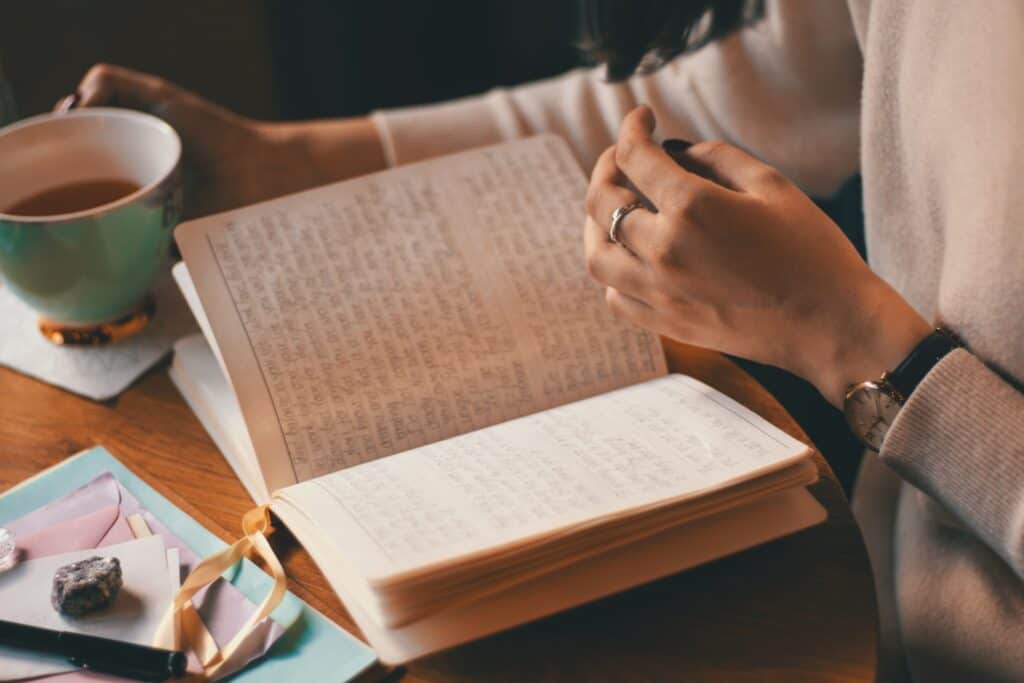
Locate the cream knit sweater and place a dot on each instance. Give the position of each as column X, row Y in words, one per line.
column 923, row 97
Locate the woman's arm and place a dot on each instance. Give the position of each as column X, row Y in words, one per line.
column 787, row 89
column 231, row 160
column 733, row 256
column 960, row 439
column 737, row 259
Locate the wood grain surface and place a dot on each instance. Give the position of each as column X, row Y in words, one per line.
column 799, row 609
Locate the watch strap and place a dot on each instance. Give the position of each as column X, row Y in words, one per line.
column 905, row 377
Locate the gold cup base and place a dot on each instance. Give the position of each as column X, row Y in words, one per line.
column 102, row 333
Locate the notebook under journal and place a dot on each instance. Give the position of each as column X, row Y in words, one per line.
column 312, row 649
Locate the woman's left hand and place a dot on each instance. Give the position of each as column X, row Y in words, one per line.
column 738, row 259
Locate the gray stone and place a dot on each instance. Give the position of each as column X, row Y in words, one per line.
column 86, row 586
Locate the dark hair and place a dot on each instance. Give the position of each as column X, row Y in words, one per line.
column 639, row 36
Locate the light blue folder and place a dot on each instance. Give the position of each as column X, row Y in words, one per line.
column 313, row 649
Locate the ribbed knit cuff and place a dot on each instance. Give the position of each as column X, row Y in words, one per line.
column 416, row 133
column 960, row 439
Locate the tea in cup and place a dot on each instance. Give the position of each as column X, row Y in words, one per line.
column 88, row 203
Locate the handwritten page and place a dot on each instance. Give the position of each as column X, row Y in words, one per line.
column 637, row 446
column 407, row 307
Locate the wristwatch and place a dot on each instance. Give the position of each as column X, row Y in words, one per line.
column 870, row 407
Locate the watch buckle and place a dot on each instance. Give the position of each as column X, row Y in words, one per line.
column 897, row 395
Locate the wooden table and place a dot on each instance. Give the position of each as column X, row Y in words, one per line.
column 799, row 609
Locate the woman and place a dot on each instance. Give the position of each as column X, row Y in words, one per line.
column 731, row 254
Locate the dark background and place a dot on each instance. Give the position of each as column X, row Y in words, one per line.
column 280, row 59
column 289, row 59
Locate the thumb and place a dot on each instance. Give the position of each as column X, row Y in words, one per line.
column 732, row 167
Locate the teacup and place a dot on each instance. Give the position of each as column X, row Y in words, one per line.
column 90, row 267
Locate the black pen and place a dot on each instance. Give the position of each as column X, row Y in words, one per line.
column 101, row 655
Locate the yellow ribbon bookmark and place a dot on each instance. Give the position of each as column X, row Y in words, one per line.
column 255, row 526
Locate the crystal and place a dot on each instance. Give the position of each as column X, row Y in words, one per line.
column 86, row 585
column 8, row 550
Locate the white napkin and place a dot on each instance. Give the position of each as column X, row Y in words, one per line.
column 94, row 372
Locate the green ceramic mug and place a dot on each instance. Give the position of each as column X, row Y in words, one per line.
column 95, row 265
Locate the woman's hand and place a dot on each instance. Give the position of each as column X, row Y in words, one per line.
column 231, row 160
column 740, row 261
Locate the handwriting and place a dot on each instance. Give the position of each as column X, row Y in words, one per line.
column 408, row 307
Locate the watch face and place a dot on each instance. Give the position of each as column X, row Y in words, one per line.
column 870, row 410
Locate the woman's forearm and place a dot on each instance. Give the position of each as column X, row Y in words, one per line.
column 335, row 149
column 875, row 329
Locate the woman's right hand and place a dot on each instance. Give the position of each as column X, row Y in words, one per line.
column 231, row 160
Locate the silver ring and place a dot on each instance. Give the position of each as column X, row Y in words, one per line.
column 617, row 216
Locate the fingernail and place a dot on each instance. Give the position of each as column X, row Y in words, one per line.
column 675, row 145
column 67, row 103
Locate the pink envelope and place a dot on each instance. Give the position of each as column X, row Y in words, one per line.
column 96, row 515
column 105, row 526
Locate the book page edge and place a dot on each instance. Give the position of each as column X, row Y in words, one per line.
column 207, row 414
column 668, row 553
column 244, row 373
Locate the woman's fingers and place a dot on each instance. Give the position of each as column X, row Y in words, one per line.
column 732, row 167
column 650, row 168
column 66, row 103
column 613, row 266
column 629, row 308
column 606, row 171
column 606, row 194
column 113, row 85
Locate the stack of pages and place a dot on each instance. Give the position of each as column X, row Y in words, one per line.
column 414, row 370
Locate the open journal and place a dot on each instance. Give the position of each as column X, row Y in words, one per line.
column 416, row 373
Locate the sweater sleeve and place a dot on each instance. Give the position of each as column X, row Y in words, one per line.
column 960, row 439
column 787, row 89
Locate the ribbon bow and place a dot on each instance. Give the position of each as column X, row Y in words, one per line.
column 256, row 527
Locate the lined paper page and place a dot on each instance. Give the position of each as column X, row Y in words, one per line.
column 633, row 447
column 403, row 308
